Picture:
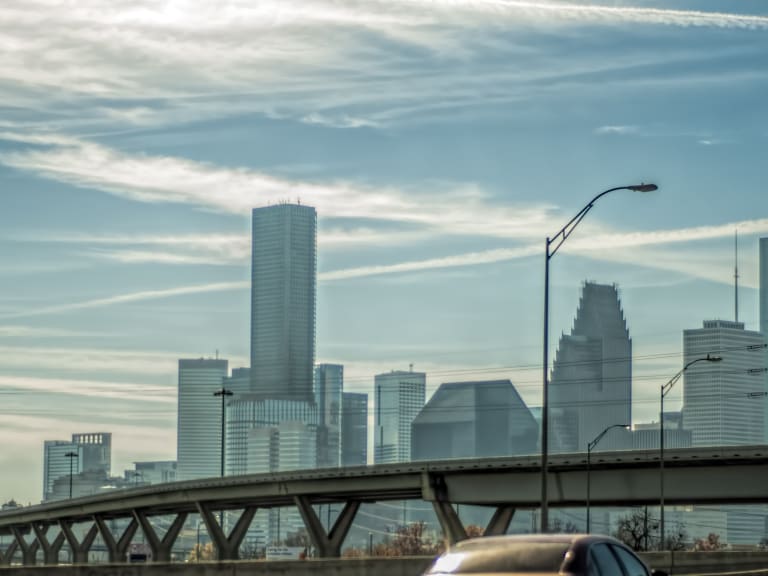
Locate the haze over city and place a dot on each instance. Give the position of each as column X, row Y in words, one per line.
column 440, row 143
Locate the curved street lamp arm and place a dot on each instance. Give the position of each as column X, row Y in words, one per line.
column 566, row 230
column 668, row 386
column 599, row 437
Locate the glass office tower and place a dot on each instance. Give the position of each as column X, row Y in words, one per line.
column 283, row 281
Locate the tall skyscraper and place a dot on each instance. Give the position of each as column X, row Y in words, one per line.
column 764, row 316
column 283, row 281
column 329, row 386
column 96, row 451
column 764, row 286
column 398, row 398
column 57, row 465
column 722, row 401
column 354, row 429
column 94, row 457
column 474, row 419
column 591, row 383
column 198, row 440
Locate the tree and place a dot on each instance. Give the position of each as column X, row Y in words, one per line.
column 202, row 553
column 677, row 540
column 474, row 531
column 560, row 528
column 710, row 543
column 635, row 530
column 300, row 538
column 408, row 540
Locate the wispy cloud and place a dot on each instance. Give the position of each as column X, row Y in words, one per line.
column 617, row 129
column 442, row 207
column 91, row 388
column 343, row 121
column 598, row 245
column 15, row 331
column 130, row 297
column 195, row 55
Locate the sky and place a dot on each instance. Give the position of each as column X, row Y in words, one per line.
column 441, row 142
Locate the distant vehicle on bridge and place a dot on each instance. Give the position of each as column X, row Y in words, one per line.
column 139, row 552
column 568, row 554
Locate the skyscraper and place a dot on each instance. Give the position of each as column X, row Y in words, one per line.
column 398, row 398
column 722, row 401
column 329, row 386
column 94, row 457
column 354, row 429
column 57, row 465
column 474, row 419
column 96, row 451
column 198, row 439
column 591, row 383
column 283, row 279
column 764, row 315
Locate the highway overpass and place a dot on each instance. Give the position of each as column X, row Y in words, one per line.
column 725, row 475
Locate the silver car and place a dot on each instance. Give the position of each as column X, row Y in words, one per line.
column 564, row 554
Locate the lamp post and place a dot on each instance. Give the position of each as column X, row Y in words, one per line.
column 552, row 246
column 665, row 388
column 590, row 447
column 71, row 456
column 223, row 393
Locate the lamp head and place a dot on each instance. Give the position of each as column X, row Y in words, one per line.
column 714, row 358
column 643, row 187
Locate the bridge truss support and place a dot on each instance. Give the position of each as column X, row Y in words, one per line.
column 7, row 556
column 327, row 544
column 118, row 549
column 500, row 521
column 28, row 550
column 50, row 549
column 161, row 548
column 79, row 549
column 227, row 547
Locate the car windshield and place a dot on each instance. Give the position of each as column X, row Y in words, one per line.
column 511, row 557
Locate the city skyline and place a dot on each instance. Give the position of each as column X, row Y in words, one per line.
column 440, row 144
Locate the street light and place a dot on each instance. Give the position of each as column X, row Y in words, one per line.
column 664, row 391
column 71, row 456
column 557, row 240
column 223, row 393
column 590, row 446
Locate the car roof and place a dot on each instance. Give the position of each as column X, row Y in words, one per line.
column 573, row 539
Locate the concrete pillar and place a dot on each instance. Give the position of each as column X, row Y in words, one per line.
column 80, row 549
column 7, row 556
column 453, row 529
column 50, row 549
column 161, row 549
column 118, row 550
column 28, row 551
column 499, row 522
column 328, row 545
column 227, row 548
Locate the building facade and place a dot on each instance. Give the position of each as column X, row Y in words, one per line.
column 591, row 380
column 329, row 387
column 56, row 463
column 88, row 457
column 398, row 398
column 354, row 429
column 198, row 440
column 283, row 284
column 763, row 297
column 474, row 419
column 723, row 402
column 251, row 420
column 152, row 472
